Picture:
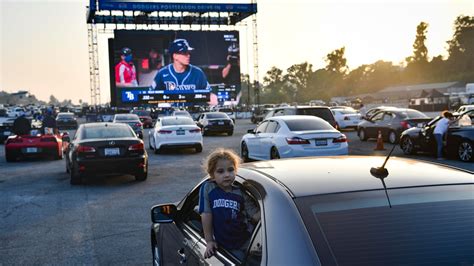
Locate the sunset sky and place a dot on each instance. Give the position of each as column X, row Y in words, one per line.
column 44, row 43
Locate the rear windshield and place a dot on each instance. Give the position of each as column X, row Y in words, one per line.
column 65, row 115
column 126, row 117
column 142, row 113
column 227, row 110
column 178, row 121
column 181, row 113
column 425, row 226
column 217, row 115
column 413, row 114
column 107, row 132
column 319, row 112
column 308, row 124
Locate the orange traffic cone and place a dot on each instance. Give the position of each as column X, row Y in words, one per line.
column 379, row 146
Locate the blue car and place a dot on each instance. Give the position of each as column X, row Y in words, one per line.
column 340, row 210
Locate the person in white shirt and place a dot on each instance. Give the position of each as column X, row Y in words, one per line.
column 440, row 130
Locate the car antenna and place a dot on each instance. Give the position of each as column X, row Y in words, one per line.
column 381, row 173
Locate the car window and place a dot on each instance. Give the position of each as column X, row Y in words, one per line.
column 324, row 113
column 261, row 128
column 414, row 114
column 216, row 115
column 254, row 254
column 388, row 117
column 308, row 124
column 279, row 112
column 377, row 116
column 126, row 117
column 107, row 132
column 424, row 221
column 272, row 127
column 177, row 121
column 289, row 111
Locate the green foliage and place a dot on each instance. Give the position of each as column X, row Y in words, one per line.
column 336, row 62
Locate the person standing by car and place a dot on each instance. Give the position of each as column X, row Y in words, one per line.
column 440, row 131
column 21, row 125
column 225, row 209
column 49, row 123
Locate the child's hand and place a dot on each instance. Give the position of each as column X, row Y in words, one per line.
column 210, row 249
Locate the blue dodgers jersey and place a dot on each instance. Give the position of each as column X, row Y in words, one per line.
column 193, row 80
column 228, row 220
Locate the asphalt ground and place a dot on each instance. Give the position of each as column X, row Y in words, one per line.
column 45, row 220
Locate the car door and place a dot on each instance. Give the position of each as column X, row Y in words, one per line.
column 254, row 142
column 373, row 124
column 178, row 240
column 267, row 138
column 386, row 124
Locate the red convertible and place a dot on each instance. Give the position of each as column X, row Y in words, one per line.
column 38, row 145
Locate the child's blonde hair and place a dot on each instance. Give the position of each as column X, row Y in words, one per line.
column 220, row 154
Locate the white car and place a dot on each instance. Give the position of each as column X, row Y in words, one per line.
column 347, row 117
column 292, row 136
column 175, row 132
column 465, row 108
column 181, row 113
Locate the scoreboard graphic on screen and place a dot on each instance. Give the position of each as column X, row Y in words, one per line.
column 143, row 71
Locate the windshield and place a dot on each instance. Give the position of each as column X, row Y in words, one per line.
column 358, row 227
column 178, row 121
column 324, row 113
column 126, row 117
column 107, row 132
column 308, row 124
column 217, row 115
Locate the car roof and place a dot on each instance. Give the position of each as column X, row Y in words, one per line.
column 294, row 117
column 303, row 107
column 103, row 124
column 337, row 174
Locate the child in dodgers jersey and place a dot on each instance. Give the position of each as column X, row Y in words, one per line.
column 224, row 208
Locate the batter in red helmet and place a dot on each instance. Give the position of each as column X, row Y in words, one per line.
column 125, row 72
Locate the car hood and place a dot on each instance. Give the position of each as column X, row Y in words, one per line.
column 412, row 131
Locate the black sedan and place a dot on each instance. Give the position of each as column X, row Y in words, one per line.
column 459, row 141
column 340, row 216
column 391, row 122
column 66, row 120
column 215, row 122
column 106, row 148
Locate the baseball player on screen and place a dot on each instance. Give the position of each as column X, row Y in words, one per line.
column 180, row 75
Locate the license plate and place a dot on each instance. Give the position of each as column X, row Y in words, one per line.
column 31, row 150
column 220, row 123
column 180, row 132
column 112, row 151
column 7, row 133
column 321, row 142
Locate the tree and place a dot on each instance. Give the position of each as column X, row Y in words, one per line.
column 273, row 90
column 53, row 100
column 296, row 80
column 336, row 62
column 420, row 52
column 461, row 49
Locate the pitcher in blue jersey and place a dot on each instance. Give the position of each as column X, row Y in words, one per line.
column 225, row 209
column 180, row 76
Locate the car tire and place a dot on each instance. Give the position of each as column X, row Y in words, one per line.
column 274, row 154
column 392, row 137
column 199, row 148
column 142, row 176
column 157, row 150
column 67, row 167
column 230, row 133
column 149, row 142
column 244, row 153
column 9, row 158
column 407, row 145
column 76, row 178
column 362, row 134
column 466, row 151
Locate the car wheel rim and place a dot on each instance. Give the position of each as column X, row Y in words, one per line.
column 392, row 138
column 362, row 134
column 465, row 151
column 244, row 152
column 407, row 145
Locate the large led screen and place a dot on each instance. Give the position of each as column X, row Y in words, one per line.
column 195, row 67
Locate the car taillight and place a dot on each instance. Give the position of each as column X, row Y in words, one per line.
column 340, row 139
column 136, row 147
column 296, row 140
column 48, row 139
column 85, row 149
column 165, row 131
column 197, row 130
column 405, row 125
column 346, row 118
column 138, row 124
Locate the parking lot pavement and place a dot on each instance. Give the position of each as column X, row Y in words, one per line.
column 45, row 220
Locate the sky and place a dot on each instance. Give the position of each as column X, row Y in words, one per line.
column 44, row 46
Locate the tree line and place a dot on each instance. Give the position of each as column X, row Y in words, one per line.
column 300, row 83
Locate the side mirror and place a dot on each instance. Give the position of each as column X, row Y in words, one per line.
column 251, row 131
column 65, row 137
column 163, row 213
